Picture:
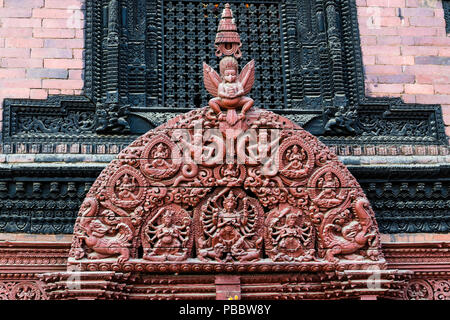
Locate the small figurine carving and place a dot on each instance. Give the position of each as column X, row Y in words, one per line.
column 233, row 221
column 107, row 240
column 166, row 235
column 289, row 236
column 230, row 88
column 343, row 235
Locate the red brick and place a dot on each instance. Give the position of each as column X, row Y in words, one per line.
column 21, row 63
column 64, row 43
column 386, row 3
column 433, row 41
column 78, row 53
column 445, row 52
column 365, row 29
column 433, row 78
column 12, row 73
column 76, row 74
column 54, row 91
column 38, row 94
column 16, row 32
column 417, row 31
column 63, row 4
column 442, row 88
column 392, row 22
column 62, row 84
column 15, row 93
column 396, row 78
column 419, row 89
column 79, row 33
column 432, row 60
column 417, row 12
column 412, row 3
column 63, row 63
column 383, row 69
column 427, row 21
column 394, row 60
column 446, row 118
column 371, row 11
column 408, row 98
column 51, row 53
column 24, row 43
column 433, row 99
column 15, row 12
column 20, row 83
column 427, row 69
column 68, row 92
column 56, row 23
column 389, row 40
column 381, row 50
column 54, row 33
column 368, row 60
column 447, row 131
column 24, row 3
column 22, row 22
column 419, row 51
column 52, row 13
column 14, row 52
column 385, row 88
column 368, row 40
column 361, row 3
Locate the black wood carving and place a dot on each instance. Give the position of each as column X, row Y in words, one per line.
column 143, row 66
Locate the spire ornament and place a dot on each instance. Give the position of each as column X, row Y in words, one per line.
column 229, row 88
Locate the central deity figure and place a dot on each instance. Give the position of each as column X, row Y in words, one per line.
column 230, row 88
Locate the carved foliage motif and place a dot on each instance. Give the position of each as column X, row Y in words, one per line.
column 22, row 290
column 289, row 198
column 430, row 289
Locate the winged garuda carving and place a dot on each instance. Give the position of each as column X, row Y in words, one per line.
column 230, row 88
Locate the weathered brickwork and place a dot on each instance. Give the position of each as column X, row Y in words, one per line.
column 41, row 48
column 406, row 51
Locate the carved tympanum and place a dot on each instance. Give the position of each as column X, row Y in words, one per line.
column 245, row 189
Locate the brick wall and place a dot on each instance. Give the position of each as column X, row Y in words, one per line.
column 406, row 51
column 41, row 48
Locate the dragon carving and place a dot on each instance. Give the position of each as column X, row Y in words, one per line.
column 341, row 236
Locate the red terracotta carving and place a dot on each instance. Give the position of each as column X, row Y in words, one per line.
column 254, row 192
column 167, row 235
column 229, row 227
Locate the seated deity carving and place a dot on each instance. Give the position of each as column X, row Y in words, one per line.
column 231, row 224
column 289, row 235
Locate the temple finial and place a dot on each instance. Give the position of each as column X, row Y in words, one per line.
column 228, row 41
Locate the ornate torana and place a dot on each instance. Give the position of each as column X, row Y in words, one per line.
column 242, row 184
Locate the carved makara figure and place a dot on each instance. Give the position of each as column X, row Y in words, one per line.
column 343, row 234
column 230, row 224
column 166, row 235
column 106, row 237
column 230, row 88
